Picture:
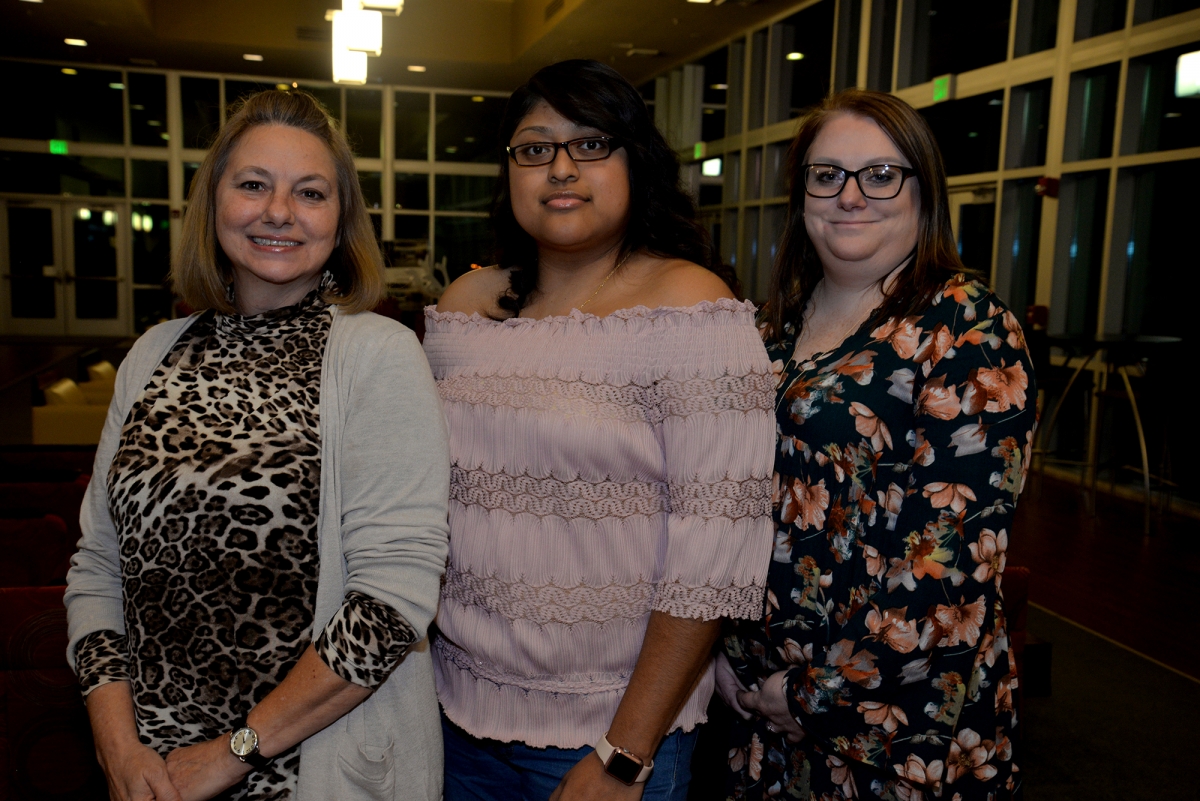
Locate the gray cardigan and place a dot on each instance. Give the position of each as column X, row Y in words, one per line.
column 385, row 474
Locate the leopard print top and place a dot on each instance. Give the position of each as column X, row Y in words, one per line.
column 214, row 490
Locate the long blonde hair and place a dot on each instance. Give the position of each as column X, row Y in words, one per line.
column 201, row 272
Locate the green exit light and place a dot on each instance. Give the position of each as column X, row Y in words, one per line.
column 941, row 88
column 58, row 147
column 699, row 150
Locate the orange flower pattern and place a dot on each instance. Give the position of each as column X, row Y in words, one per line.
column 901, row 456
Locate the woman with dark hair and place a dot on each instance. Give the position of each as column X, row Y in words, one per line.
column 882, row 666
column 264, row 532
column 609, row 409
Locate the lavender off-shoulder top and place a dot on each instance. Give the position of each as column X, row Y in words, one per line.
column 602, row 468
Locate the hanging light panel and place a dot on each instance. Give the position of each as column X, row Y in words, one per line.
column 395, row 6
column 358, row 30
column 349, row 66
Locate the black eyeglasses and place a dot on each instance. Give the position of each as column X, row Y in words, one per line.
column 877, row 182
column 589, row 148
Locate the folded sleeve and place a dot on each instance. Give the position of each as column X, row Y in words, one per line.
column 714, row 399
column 364, row 640
column 101, row 658
column 897, row 687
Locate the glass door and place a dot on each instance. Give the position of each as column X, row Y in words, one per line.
column 973, row 217
column 94, row 270
column 31, row 289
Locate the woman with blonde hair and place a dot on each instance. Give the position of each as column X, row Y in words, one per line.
column 265, row 529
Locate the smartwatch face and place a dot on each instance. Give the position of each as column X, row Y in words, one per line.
column 243, row 742
column 622, row 768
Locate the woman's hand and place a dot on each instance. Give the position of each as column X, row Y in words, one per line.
column 729, row 685
column 771, row 703
column 135, row 773
column 204, row 770
column 588, row 781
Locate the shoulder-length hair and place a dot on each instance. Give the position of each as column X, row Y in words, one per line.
column 798, row 267
column 662, row 216
column 201, row 272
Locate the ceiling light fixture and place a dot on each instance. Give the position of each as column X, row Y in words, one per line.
column 69, row 71
column 794, row 56
column 358, row 30
column 349, row 66
column 76, row 42
column 477, row 99
column 395, row 6
column 1187, row 75
column 699, row 1
column 720, row 87
column 415, row 68
column 251, row 57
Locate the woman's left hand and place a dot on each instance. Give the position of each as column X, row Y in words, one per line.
column 770, row 701
column 204, row 770
column 588, row 781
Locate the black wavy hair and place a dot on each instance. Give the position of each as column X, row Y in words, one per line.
column 662, row 215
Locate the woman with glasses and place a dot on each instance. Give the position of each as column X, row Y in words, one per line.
column 609, row 404
column 905, row 413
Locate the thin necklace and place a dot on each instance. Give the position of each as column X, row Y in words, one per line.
column 605, row 281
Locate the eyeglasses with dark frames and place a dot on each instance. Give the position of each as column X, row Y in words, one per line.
column 587, row 148
column 876, row 182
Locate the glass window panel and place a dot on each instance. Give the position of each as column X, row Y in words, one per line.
column 412, row 190
column 190, row 168
column 710, row 194
column 1159, row 279
column 848, row 31
column 729, row 237
column 733, row 177
column 364, row 121
column 754, row 173
column 1037, row 26
column 149, row 179
column 94, row 237
column 1155, row 119
column 1096, row 17
column 201, row 101
column 372, row 188
column 734, row 96
column 1147, row 10
column 151, row 307
column 976, row 231
column 151, row 227
column 377, row 226
column 464, row 192
column 801, row 48
column 461, row 242
column 412, row 125
column 1091, row 112
column 777, row 177
column 1028, row 119
column 932, row 41
column 467, row 127
column 83, row 107
column 773, row 225
column 148, row 109
column 758, row 76
column 31, row 239
column 968, row 132
column 1020, row 237
column 44, row 174
column 883, row 44
column 716, row 74
column 747, row 270
column 237, row 91
column 412, row 227
column 646, row 90
column 330, row 97
column 712, row 124
column 1082, row 201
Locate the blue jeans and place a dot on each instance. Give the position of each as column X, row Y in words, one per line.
column 489, row 770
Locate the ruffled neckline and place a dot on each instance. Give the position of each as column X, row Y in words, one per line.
column 704, row 307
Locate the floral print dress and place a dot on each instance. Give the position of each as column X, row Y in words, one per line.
column 900, row 457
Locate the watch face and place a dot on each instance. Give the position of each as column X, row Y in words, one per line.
column 243, row 742
column 623, row 768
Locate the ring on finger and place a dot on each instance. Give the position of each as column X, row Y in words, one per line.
column 771, row 727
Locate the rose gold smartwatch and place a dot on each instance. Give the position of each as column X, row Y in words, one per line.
column 623, row 765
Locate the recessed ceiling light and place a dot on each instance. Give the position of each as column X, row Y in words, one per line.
column 116, row 86
column 69, row 71
column 719, row 86
column 76, row 42
column 699, row 1
column 252, row 57
column 415, row 68
column 794, row 56
column 477, row 99
column 31, row 1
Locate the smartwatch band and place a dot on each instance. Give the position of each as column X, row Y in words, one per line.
column 621, row 764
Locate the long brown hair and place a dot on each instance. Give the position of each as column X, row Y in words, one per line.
column 798, row 267
column 200, row 270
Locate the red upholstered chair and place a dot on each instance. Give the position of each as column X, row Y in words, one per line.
column 36, row 552
column 46, row 748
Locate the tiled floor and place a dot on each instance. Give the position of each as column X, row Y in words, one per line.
column 1101, row 572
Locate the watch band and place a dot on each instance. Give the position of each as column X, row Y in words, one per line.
column 620, row 763
column 254, row 759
